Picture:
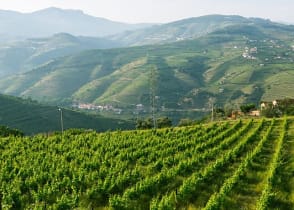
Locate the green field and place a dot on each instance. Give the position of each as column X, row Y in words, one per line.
column 244, row 164
column 31, row 117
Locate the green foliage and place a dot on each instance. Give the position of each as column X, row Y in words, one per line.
column 148, row 123
column 5, row 131
column 31, row 117
column 188, row 72
column 286, row 106
column 143, row 169
column 283, row 107
column 267, row 193
column 163, row 122
column 186, row 122
column 246, row 108
column 271, row 112
column 144, row 124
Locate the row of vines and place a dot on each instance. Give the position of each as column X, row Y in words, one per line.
column 195, row 167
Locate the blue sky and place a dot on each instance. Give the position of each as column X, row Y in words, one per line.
column 134, row 11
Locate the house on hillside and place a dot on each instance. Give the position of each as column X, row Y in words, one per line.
column 254, row 113
column 266, row 104
column 253, row 50
column 277, row 108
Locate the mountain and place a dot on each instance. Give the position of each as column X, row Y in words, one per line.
column 53, row 20
column 186, row 29
column 21, row 56
column 32, row 117
column 236, row 64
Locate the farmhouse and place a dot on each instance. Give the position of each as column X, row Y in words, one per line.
column 254, row 113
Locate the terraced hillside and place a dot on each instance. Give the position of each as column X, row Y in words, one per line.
column 236, row 64
column 227, row 165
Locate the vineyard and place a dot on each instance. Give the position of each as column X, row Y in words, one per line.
column 245, row 164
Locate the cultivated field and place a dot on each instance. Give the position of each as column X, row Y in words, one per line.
column 245, row 164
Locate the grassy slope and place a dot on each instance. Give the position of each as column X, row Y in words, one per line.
column 155, row 155
column 32, row 118
column 188, row 73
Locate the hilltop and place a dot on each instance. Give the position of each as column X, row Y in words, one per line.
column 190, row 28
column 21, row 56
column 46, row 22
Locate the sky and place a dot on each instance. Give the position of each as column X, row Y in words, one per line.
column 162, row 11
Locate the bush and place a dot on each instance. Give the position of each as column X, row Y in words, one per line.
column 186, row 122
column 5, row 131
column 246, row 108
column 162, row 122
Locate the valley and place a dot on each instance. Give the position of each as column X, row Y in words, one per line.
column 31, row 118
column 234, row 65
column 194, row 113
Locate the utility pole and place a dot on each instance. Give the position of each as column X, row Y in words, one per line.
column 212, row 113
column 152, row 94
column 61, row 121
column 211, row 101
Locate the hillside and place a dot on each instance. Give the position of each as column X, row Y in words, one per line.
column 237, row 64
column 187, row 29
column 246, row 164
column 21, row 56
column 43, row 23
column 31, row 117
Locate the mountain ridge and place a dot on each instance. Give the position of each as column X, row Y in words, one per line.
column 21, row 56
column 239, row 63
column 53, row 20
column 189, row 28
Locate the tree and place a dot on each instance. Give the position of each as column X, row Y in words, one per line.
column 164, row 122
column 282, row 107
column 228, row 109
column 246, row 108
column 144, row 124
column 271, row 112
column 186, row 122
column 5, row 131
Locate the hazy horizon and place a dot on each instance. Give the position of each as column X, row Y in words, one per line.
column 162, row 11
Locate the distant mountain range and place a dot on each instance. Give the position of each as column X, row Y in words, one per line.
column 190, row 28
column 21, row 56
column 226, row 59
column 44, row 23
column 237, row 60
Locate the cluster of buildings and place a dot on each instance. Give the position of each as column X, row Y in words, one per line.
column 263, row 105
column 107, row 108
column 248, row 53
column 86, row 106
